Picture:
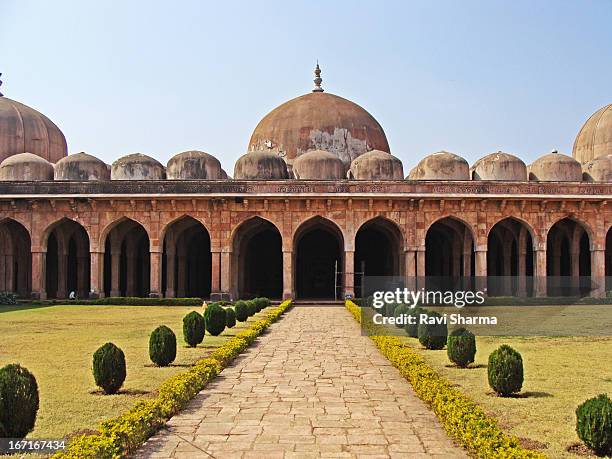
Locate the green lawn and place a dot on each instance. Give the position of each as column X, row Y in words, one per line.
column 560, row 373
column 56, row 344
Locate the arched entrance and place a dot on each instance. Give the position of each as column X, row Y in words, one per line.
column 568, row 258
column 15, row 258
column 378, row 251
column 449, row 255
column 186, row 264
column 127, row 269
column 318, row 247
column 67, row 260
column 509, row 258
column 257, row 256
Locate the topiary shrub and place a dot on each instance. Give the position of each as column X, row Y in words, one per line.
column 412, row 330
column 18, row 401
column 252, row 307
column 594, row 424
column 505, row 370
column 215, row 318
column 242, row 311
column 461, row 347
column 230, row 318
column 433, row 335
column 264, row 302
column 162, row 346
column 109, row 368
column 399, row 311
column 194, row 329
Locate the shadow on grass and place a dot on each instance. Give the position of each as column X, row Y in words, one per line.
column 121, row 392
column 22, row 307
column 469, row 367
column 527, row 394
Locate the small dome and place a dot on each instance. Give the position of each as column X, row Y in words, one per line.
column 376, row 165
column 595, row 136
column 137, row 167
column 260, row 165
column 194, row 165
column 318, row 165
column 81, row 167
column 555, row 167
column 499, row 166
column 24, row 129
column 598, row 169
column 441, row 166
column 26, row 167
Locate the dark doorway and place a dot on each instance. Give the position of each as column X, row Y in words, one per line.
column 258, row 260
column 15, row 258
column 318, row 258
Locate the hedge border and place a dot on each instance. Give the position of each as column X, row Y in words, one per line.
column 461, row 417
column 120, row 436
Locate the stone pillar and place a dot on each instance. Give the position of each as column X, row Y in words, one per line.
column 96, row 275
column 480, row 267
column 420, row 268
column 156, row 278
column 410, row 269
column 522, row 267
column 62, row 272
column 170, row 274
column 287, row 275
column 115, row 273
column 83, row 264
column 540, row 272
column 130, row 268
column 598, row 272
column 215, row 273
column 225, row 274
column 39, row 275
column 349, row 275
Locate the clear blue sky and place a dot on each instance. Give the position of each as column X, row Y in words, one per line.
column 159, row 77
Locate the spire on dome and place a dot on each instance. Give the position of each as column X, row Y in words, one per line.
column 318, row 80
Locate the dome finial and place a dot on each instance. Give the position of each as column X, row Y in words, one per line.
column 318, row 80
column 1, row 85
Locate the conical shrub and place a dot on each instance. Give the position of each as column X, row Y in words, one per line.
column 215, row 319
column 109, row 368
column 230, row 318
column 433, row 335
column 594, row 424
column 18, row 401
column 505, row 370
column 162, row 346
column 242, row 311
column 194, row 329
column 461, row 347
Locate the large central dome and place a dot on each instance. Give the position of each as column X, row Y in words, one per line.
column 319, row 121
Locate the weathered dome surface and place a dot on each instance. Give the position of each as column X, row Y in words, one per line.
column 23, row 129
column 598, row 169
column 260, row 165
column 194, row 165
column 319, row 121
column 441, row 166
column 595, row 136
column 137, row 167
column 499, row 166
column 81, row 167
column 25, row 167
column 555, row 167
column 318, row 165
column 376, row 165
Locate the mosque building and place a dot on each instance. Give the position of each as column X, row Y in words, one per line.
column 317, row 198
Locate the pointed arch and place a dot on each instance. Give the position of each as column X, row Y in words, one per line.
column 15, row 258
column 449, row 248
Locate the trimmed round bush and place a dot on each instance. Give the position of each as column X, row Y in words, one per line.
column 230, row 318
column 109, row 368
column 594, row 424
column 399, row 311
column 18, row 401
column 505, row 370
column 262, row 303
column 433, row 336
column 461, row 347
column 215, row 318
column 194, row 329
column 242, row 311
column 412, row 330
column 252, row 307
column 162, row 346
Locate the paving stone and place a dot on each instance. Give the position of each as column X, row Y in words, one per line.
column 304, row 392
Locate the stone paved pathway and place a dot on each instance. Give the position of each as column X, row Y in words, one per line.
column 311, row 387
